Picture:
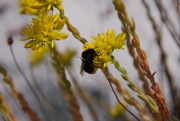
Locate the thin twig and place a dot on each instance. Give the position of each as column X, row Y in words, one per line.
column 125, row 94
column 29, row 85
column 122, row 103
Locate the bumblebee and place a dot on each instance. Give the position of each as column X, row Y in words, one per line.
column 87, row 62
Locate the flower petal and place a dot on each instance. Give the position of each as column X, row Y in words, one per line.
column 60, row 24
column 52, row 44
column 62, row 36
column 121, row 37
column 30, row 44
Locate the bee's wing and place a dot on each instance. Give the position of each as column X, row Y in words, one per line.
column 82, row 68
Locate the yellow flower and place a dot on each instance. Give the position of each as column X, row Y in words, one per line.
column 104, row 45
column 46, row 5
column 44, row 30
column 25, row 7
column 38, row 6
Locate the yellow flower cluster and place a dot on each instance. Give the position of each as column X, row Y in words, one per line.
column 38, row 6
column 25, row 7
column 44, row 30
column 104, row 45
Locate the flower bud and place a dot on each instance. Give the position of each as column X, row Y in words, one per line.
column 10, row 40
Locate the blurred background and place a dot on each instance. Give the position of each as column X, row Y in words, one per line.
column 91, row 17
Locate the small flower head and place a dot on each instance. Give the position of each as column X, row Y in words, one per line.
column 25, row 7
column 34, row 7
column 44, row 30
column 104, row 45
column 47, row 5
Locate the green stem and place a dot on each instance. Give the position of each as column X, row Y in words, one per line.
column 147, row 99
